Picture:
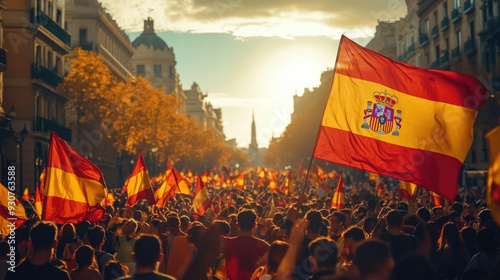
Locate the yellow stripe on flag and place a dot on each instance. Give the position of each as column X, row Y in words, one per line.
column 92, row 194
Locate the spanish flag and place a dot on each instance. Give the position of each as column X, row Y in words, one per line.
column 74, row 186
column 407, row 190
column 12, row 214
column 338, row 196
column 26, row 194
column 398, row 120
column 493, row 187
column 38, row 202
column 240, row 181
column 436, row 199
column 166, row 189
column 201, row 200
column 138, row 185
column 43, row 175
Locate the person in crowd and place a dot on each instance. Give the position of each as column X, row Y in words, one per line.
column 245, row 252
column 38, row 266
column 323, row 257
column 125, row 243
column 400, row 242
column 114, row 270
column 147, row 254
column 374, row 260
column 67, row 244
column 488, row 257
column 453, row 256
column 180, row 250
column 84, row 257
column 277, row 251
column 414, row 267
column 353, row 237
column 337, row 225
column 95, row 238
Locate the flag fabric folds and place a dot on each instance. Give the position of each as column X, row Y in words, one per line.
column 12, row 213
column 493, row 185
column 74, row 186
column 398, row 120
column 338, row 196
column 201, row 200
column 138, row 185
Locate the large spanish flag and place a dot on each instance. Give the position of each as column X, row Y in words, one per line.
column 138, row 185
column 398, row 120
column 201, row 200
column 12, row 213
column 493, row 187
column 74, row 186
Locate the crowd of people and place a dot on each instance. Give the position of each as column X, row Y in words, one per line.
column 253, row 234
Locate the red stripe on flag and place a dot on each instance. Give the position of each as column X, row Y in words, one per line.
column 70, row 211
column 439, row 172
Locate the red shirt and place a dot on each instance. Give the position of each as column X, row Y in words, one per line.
column 242, row 254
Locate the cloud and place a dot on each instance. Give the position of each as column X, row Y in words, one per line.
column 250, row 18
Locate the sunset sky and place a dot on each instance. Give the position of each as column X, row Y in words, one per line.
column 253, row 55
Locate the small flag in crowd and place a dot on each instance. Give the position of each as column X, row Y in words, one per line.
column 338, row 196
column 240, row 181
column 201, row 200
column 12, row 213
column 74, row 187
column 407, row 190
column 436, row 199
column 38, row 201
column 26, row 194
column 398, row 120
column 138, row 185
column 493, row 186
column 273, row 188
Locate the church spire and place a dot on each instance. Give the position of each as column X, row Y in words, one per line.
column 253, row 142
column 149, row 25
column 253, row 148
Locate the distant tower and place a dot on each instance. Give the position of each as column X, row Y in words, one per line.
column 253, row 148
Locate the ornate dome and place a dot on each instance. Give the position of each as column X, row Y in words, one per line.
column 149, row 37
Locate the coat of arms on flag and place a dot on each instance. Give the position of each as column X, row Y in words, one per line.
column 381, row 118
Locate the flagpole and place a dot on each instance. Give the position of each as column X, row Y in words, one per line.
column 324, row 109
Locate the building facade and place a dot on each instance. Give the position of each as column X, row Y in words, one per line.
column 155, row 61
column 202, row 111
column 407, row 35
column 36, row 40
column 384, row 41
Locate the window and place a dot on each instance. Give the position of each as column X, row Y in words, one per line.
column 436, row 18
column 456, row 4
column 446, row 44
column 426, row 26
column 171, row 72
column 50, row 63
column 471, row 31
column 59, row 16
column 141, row 70
column 82, row 36
column 58, row 67
column 458, row 37
column 157, row 70
column 445, row 10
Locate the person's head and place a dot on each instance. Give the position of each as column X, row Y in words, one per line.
column 194, row 234
column 371, row 204
column 374, row 260
column 457, row 207
column 413, row 267
column 455, row 217
column 147, row 251
column 277, row 252
column 337, row 221
column 424, row 213
column 224, row 227
column 486, row 240
column 84, row 256
column 173, row 223
column 353, row 237
column 246, row 220
column 437, row 212
column 184, row 220
column 137, row 215
column 369, row 224
column 113, row 270
column 450, row 236
column 43, row 236
column 484, row 216
column 68, row 231
column 129, row 227
column 394, row 219
column 315, row 221
column 95, row 236
column 323, row 253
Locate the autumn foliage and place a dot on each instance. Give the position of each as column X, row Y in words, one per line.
column 138, row 117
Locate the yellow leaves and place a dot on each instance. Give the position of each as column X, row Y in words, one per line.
column 141, row 117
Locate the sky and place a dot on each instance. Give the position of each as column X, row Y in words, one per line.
column 252, row 56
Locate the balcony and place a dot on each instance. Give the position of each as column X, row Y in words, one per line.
column 445, row 23
column 3, row 60
column 455, row 14
column 490, row 29
column 445, row 58
column 469, row 46
column 455, row 53
column 468, row 6
column 410, row 49
column 42, row 19
column 45, row 74
column 424, row 38
column 86, row 46
column 435, row 64
column 45, row 125
column 434, row 31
